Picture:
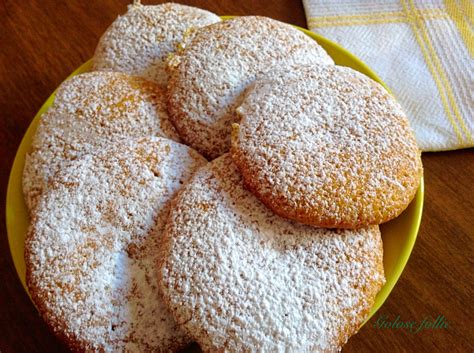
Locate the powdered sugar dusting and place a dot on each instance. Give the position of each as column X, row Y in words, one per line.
column 89, row 112
column 325, row 145
column 217, row 63
column 92, row 246
column 139, row 41
column 239, row 278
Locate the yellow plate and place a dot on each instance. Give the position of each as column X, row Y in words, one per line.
column 398, row 235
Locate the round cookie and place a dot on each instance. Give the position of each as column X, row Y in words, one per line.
column 92, row 247
column 326, row 146
column 216, row 64
column 139, row 41
column 239, row 278
column 89, row 112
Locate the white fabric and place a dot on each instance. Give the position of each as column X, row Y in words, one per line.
column 422, row 50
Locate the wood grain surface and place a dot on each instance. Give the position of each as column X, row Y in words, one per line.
column 41, row 42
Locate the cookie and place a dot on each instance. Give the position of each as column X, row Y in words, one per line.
column 326, row 146
column 89, row 112
column 239, row 278
column 216, row 64
column 139, row 41
column 92, row 246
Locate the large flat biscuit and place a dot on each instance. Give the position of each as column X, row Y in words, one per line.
column 217, row 63
column 239, row 278
column 139, row 41
column 92, row 246
column 327, row 146
column 89, row 112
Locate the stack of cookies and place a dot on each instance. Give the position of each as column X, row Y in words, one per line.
column 213, row 181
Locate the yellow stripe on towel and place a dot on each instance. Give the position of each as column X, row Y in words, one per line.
column 442, row 75
column 461, row 22
column 373, row 18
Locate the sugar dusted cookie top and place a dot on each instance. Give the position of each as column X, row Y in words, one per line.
column 89, row 112
column 92, row 247
column 327, row 146
column 239, row 278
column 217, row 63
column 139, row 41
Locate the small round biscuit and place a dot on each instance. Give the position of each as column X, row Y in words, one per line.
column 217, row 63
column 89, row 112
column 326, row 146
column 92, row 246
column 239, row 278
column 139, row 41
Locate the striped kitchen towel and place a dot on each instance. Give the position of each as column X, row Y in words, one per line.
column 422, row 50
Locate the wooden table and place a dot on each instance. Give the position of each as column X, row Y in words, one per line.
column 41, row 42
